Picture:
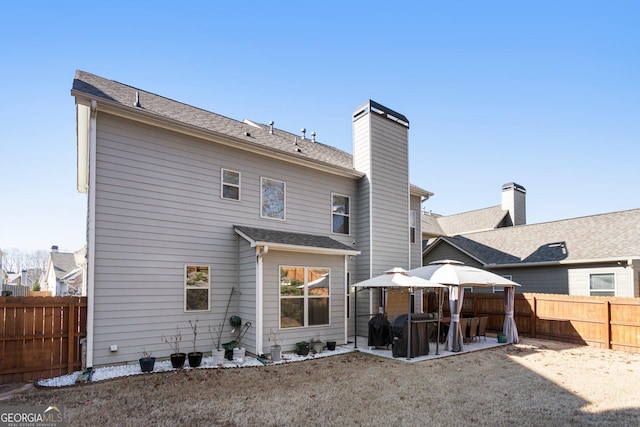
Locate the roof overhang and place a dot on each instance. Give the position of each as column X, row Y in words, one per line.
column 139, row 115
column 277, row 245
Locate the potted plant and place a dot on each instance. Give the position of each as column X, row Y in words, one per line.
column 195, row 357
column 216, row 336
column 302, row 348
column 177, row 358
column 316, row 345
column 331, row 345
column 146, row 361
column 239, row 352
column 276, row 348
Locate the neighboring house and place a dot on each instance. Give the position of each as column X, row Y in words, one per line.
column 592, row 255
column 62, row 275
column 185, row 206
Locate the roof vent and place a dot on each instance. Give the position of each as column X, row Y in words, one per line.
column 271, row 127
column 304, row 131
column 313, row 136
column 295, row 140
column 247, row 133
column 137, row 103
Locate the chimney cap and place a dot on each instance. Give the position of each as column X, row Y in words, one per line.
column 514, row 186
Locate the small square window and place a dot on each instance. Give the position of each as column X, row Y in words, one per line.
column 230, row 184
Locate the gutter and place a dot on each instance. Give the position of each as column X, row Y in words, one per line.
column 91, row 233
column 628, row 259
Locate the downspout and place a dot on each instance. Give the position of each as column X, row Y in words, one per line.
column 91, row 233
column 259, row 299
column 346, row 298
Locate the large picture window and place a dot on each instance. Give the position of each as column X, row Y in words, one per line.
column 272, row 199
column 304, row 296
column 230, row 184
column 340, row 213
column 196, row 288
column 603, row 285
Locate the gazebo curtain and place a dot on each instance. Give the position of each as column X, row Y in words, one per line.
column 455, row 334
column 509, row 327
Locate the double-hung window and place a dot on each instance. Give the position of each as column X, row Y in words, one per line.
column 230, row 184
column 413, row 219
column 272, row 199
column 603, row 285
column 340, row 212
column 196, row 288
column 304, row 296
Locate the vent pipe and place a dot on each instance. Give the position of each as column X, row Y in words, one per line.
column 271, row 127
column 313, row 136
column 304, row 131
column 137, row 103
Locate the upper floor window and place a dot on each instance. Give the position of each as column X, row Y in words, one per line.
column 413, row 219
column 340, row 213
column 272, row 198
column 196, row 288
column 230, row 184
column 602, row 284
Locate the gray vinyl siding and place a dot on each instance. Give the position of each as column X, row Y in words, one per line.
column 158, row 207
column 271, row 296
column 579, row 279
column 443, row 251
column 416, row 248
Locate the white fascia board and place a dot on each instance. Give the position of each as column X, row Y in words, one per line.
column 83, row 112
column 626, row 259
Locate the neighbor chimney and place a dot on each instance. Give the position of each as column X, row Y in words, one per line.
column 54, row 249
column 23, row 277
column 514, row 201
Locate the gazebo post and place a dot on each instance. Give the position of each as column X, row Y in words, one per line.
column 409, row 326
column 355, row 318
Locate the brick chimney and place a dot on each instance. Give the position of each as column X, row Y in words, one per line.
column 514, row 200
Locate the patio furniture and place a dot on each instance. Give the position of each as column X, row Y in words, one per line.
column 463, row 328
column 473, row 328
column 482, row 328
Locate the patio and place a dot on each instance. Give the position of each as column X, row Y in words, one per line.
column 490, row 342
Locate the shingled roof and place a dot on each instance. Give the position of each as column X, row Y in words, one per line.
column 473, row 221
column 263, row 236
column 604, row 236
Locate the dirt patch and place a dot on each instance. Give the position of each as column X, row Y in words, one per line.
column 533, row 383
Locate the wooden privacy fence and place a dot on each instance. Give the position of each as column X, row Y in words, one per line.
column 605, row 322
column 40, row 337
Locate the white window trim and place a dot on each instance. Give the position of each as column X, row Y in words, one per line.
column 284, row 202
column 185, row 287
column 222, row 184
column 305, row 297
column 345, row 215
column 595, row 293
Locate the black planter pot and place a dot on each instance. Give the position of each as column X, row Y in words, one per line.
column 146, row 365
column 302, row 349
column 331, row 345
column 177, row 360
column 195, row 358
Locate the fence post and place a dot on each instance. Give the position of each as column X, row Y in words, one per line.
column 71, row 337
column 534, row 316
column 607, row 323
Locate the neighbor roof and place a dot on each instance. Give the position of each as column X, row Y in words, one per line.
column 604, row 236
column 290, row 240
column 473, row 221
column 63, row 263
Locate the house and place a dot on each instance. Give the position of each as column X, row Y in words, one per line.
column 591, row 255
column 63, row 275
column 186, row 207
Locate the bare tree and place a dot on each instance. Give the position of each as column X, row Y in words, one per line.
column 16, row 260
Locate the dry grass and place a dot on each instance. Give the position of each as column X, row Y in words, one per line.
column 534, row 383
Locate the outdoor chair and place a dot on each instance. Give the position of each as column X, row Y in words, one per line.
column 482, row 328
column 463, row 328
column 473, row 329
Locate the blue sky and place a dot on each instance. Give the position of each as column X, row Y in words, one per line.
column 545, row 94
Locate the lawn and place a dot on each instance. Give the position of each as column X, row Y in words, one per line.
column 535, row 383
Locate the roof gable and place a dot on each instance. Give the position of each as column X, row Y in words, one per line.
column 474, row 221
